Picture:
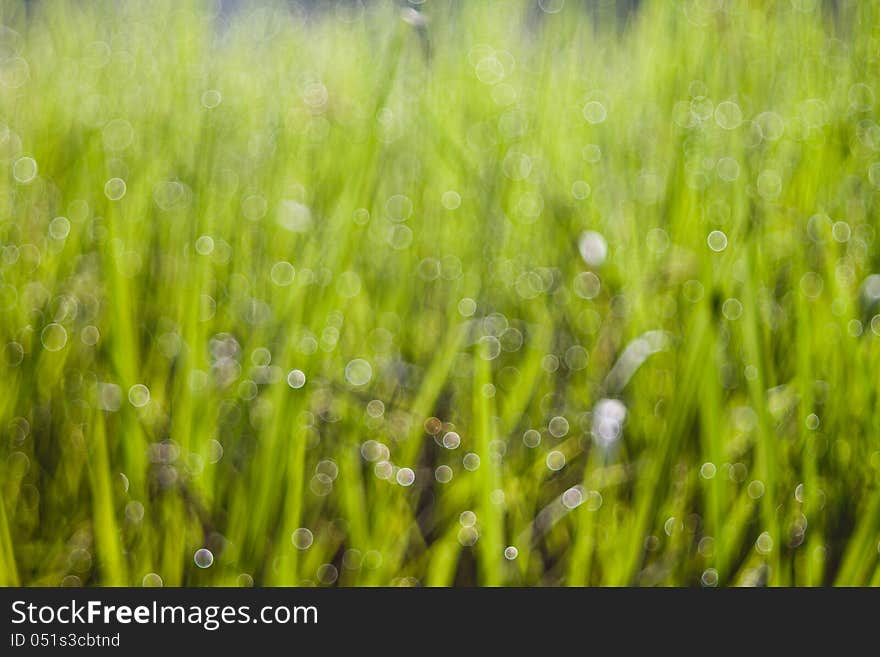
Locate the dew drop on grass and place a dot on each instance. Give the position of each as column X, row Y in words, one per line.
column 53, row 337
column 728, row 115
column 375, row 408
column 573, row 497
column 555, row 460
column 551, row 6
column 593, row 248
column 118, row 135
column 114, row 189
column 467, row 307
column 14, row 72
column 490, row 347
column 151, row 580
column 321, row 485
column 769, row 184
column 25, row 169
column 764, row 543
column 451, row 200
column 607, row 422
column 576, row 358
column 282, row 273
column 398, row 207
column 732, row 309
column 586, row 285
column 451, row 440
column 59, row 228
column 594, row 112
column 471, row 461
column 580, row 190
column 327, row 574
column 302, row 538
column 531, row 438
column 756, row 489
column 358, row 372
column 717, row 241
column 205, row 245
column 14, row 354
column 558, row 427
column 468, row 536
column 139, row 395
column 203, row 558
column 727, row 168
column 771, row 125
column 592, row 153
column 296, row 379
column 709, row 578
column 443, row 474
column 405, row 477
column 511, row 553
column 211, row 98
column 707, row 470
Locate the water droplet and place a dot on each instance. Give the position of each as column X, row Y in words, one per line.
column 451, row 200
column 727, row 168
column 732, row 309
column 769, row 184
column 709, row 577
column 594, row 112
column 608, row 418
column 580, row 190
column 282, row 273
column 139, row 395
column 471, row 461
column 573, row 497
column 296, row 379
column 593, row 248
column 327, row 574
column 443, row 474
column 531, row 438
column 558, row 426
column 59, row 228
column 468, row 536
column 728, row 115
column 118, row 135
column 586, row 285
column 358, row 372
column 204, row 558
column 555, row 460
column 211, row 98
column 53, row 337
column 151, row 580
column 405, row 477
column 25, row 169
column 717, row 241
column 302, row 538
column 756, row 489
column 467, row 307
column 490, row 347
column 114, row 189
column 764, row 543
column 551, row 7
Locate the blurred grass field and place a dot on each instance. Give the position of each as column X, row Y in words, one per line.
column 485, row 293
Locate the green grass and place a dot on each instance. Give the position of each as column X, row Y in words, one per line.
column 307, row 192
